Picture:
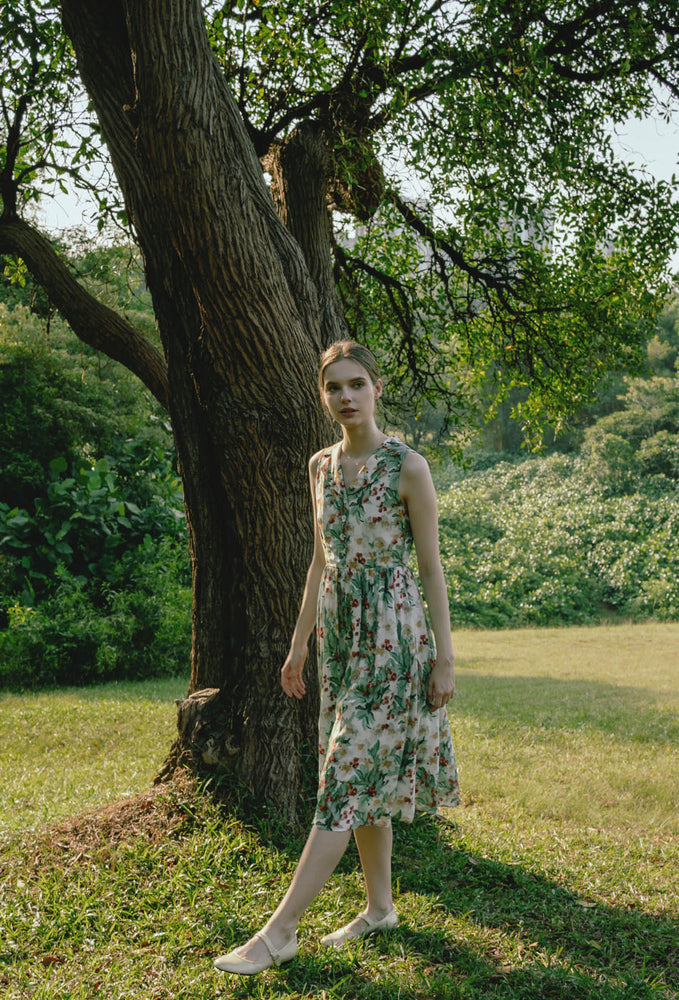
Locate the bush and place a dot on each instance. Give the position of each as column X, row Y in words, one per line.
column 84, row 633
column 62, row 398
column 96, row 586
column 542, row 544
column 84, row 525
column 94, row 573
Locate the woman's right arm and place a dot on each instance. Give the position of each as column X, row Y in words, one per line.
column 291, row 673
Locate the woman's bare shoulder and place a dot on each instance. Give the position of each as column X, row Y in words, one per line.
column 415, row 465
column 315, row 459
column 415, row 475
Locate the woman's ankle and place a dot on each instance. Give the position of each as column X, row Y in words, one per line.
column 280, row 931
column 379, row 912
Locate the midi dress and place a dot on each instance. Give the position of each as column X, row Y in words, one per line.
column 383, row 753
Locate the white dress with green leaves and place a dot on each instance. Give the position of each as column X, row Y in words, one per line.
column 383, row 753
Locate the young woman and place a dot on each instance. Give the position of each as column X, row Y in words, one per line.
column 385, row 743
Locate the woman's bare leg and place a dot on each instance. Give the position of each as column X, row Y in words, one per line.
column 374, row 847
column 320, row 857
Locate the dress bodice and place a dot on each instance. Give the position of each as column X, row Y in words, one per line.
column 364, row 523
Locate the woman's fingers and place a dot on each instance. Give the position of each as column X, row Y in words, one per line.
column 439, row 696
column 291, row 679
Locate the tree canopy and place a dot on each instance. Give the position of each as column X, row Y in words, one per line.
column 469, row 146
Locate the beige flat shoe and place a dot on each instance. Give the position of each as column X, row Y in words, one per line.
column 340, row 938
column 237, row 965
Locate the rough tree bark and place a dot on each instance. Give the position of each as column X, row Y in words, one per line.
column 242, row 323
column 299, row 169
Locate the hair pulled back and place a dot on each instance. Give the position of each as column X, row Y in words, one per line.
column 352, row 350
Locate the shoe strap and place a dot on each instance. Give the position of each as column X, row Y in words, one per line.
column 275, row 954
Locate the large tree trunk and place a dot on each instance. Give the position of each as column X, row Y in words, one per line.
column 240, row 321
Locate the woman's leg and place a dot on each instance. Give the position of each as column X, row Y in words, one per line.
column 374, row 847
column 320, row 857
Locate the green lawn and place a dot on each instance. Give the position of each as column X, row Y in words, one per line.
column 65, row 751
column 579, row 725
column 556, row 879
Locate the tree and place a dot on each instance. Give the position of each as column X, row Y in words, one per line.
column 540, row 257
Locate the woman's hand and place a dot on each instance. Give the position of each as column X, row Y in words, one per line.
column 291, row 673
column 441, row 686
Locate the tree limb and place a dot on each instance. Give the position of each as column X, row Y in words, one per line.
column 95, row 324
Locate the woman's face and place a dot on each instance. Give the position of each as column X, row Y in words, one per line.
column 349, row 392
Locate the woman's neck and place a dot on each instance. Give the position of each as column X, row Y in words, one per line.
column 359, row 442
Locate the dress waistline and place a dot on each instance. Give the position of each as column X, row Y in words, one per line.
column 356, row 566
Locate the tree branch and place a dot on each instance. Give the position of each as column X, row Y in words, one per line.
column 483, row 277
column 95, row 324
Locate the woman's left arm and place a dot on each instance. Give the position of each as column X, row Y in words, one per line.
column 417, row 491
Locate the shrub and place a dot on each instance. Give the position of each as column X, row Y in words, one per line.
column 83, row 633
column 93, row 558
column 542, row 543
column 83, row 525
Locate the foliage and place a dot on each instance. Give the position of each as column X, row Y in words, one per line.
column 94, row 577
column 528, row 259
column 538, row 261
column 60, row 398
column 135, row 624
column 502, row 435
column 639, row 440
column 543, row 543
column 83, row 526
column 47, row 136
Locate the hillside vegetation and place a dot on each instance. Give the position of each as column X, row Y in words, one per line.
column 578, row 536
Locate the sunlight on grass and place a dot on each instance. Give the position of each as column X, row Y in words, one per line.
column 556, row 878
column 65, row 751
column 580, row 724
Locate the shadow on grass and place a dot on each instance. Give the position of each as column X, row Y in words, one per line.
column 631, row 712
column 519, row 936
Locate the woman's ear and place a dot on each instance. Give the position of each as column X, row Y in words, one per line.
column 378, row 388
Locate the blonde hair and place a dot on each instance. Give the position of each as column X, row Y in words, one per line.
column 354, row 352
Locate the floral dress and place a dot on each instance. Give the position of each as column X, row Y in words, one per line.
column 383, row 752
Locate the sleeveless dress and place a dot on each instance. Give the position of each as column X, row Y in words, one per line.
column 383, row 753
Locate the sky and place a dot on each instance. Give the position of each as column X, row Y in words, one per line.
column 654, row 144
column 651, row 141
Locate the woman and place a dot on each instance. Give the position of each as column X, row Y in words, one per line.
column 385, row 744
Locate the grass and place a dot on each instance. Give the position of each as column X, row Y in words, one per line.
column 578, row 725
column 525, row 893
column 72, row 749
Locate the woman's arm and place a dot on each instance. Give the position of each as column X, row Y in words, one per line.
column 417, row 491
column 291, row 672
